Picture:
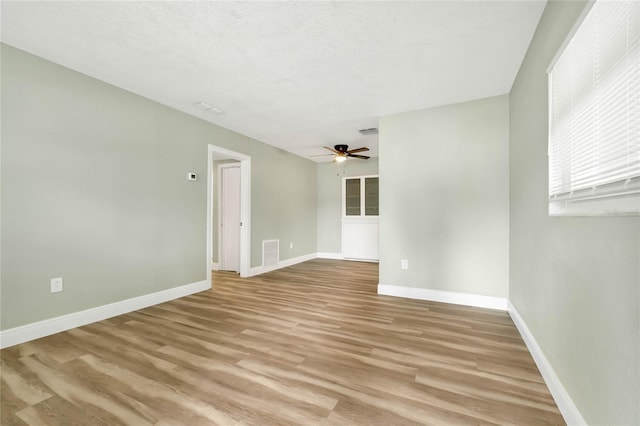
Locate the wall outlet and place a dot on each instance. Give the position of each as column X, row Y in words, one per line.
column 404, row 264
column 56, row 285
column 290, row 245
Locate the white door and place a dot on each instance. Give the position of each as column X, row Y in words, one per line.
column 230, row 218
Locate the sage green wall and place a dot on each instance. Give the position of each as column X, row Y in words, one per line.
column 444, row 198
column 330, row 199
column 94, row 190
column 574, row 280
column 283, row 203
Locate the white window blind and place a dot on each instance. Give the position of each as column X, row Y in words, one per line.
column 594, row 115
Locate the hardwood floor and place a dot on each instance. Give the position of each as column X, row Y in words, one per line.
column 312, row 344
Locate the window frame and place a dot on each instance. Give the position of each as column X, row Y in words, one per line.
column 617, row 198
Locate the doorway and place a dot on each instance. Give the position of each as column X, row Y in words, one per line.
column 243, row 164
column 229, row 216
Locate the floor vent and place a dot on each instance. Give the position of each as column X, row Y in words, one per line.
column 270, row 252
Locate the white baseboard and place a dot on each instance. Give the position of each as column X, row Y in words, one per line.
column 295, row 260
column 214, row 266
column 351, row 259
column 339, row 256
column 467, row 299
column 326, row 255
column 281, row 264
column 36, row 330
column 565, row 404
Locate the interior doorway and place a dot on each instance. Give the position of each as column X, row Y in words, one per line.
column 229, row 216
column 216, row 155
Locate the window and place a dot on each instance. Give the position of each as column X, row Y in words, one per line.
column 360, row 196
column 594, row 115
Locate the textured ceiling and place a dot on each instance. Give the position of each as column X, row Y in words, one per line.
column 296, row 75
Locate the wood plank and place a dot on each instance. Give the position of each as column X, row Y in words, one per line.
column 309, row 344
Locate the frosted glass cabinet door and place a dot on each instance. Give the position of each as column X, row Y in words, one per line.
column 352, row 197
column 371, row 196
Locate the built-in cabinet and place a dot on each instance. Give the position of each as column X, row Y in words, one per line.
column 360, row 217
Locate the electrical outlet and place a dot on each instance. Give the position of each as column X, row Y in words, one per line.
column 404, row 264
column 56, row 285
column 290, row 245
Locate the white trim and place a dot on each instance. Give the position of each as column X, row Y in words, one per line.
column 620, row 198
column 245, row 206
column 36, row 330
column 282, row 264
column 564, row 402
column 353, row 259
column 209, row 225
column 361, row 219
column 467, row 299
column 339, row 256
column 245, row 215
column 215, row 266
column 326, row 255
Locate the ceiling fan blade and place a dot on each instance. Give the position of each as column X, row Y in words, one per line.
column 351, row 151
column 331, row 149
column 363, row 157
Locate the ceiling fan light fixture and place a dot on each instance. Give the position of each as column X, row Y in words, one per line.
column 342, row 151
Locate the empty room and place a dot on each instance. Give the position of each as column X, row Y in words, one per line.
column 320, row 212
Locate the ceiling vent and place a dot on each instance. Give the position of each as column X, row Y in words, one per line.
column 206, row 107
column 371, row 131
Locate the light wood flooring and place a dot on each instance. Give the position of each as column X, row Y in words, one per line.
column 312, row 344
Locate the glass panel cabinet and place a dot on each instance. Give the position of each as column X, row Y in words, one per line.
column 360, row 218
column 371, row 196
column 360, row 196
column 352, row 197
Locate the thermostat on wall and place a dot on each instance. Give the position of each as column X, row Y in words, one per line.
column 192, row 176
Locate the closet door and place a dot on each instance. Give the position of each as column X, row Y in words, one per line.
column 230, row 218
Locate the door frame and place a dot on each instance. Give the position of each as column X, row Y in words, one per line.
column 245, row 206
column 219, row 193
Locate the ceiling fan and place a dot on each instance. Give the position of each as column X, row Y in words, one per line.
column 341, row 153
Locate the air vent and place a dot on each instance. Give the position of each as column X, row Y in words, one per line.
column 371, row 131
column 270, row 252
column 209, row 108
